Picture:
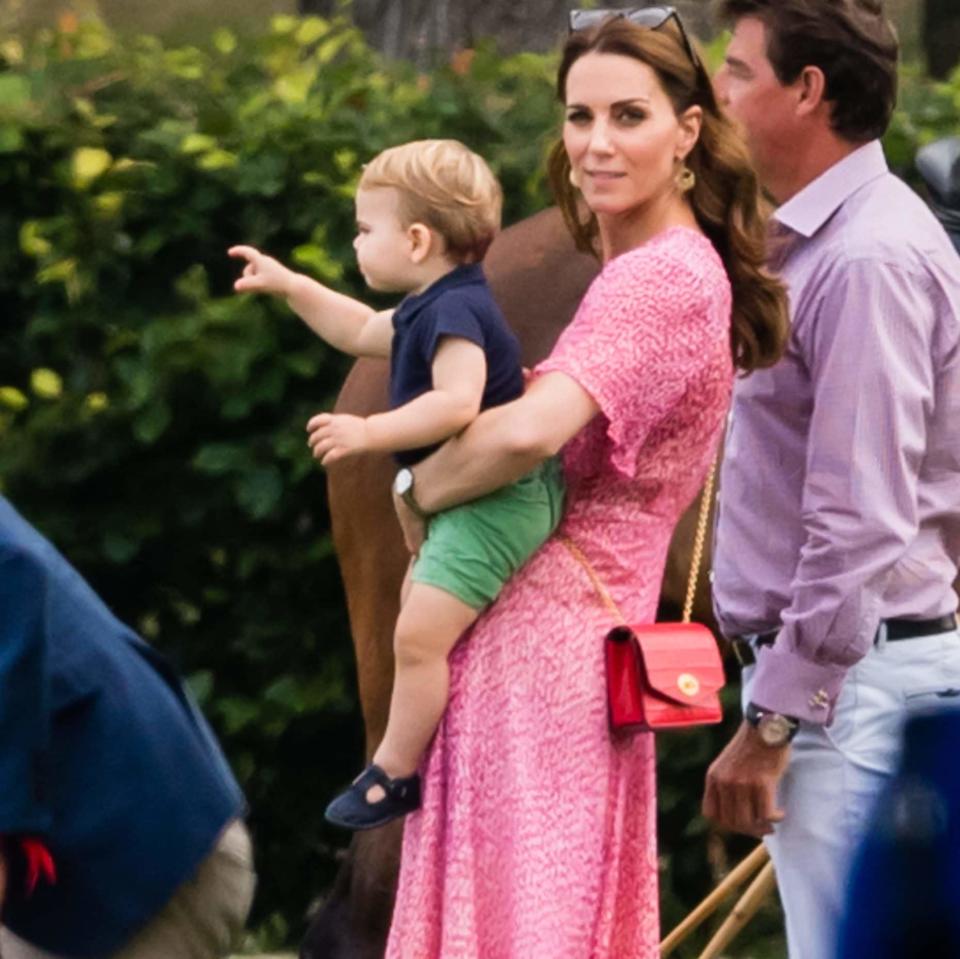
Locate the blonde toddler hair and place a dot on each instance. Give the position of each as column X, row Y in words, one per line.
column 445, row 186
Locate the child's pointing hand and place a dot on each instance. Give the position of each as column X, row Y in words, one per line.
column 262, row 273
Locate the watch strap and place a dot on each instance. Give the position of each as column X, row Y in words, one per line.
column 408, row 496
column 753, row 714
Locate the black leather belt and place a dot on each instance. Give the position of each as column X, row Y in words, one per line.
column 896, row 629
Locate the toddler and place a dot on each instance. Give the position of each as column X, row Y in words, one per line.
column 426, row 213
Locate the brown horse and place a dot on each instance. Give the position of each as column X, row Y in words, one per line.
column 538, row 278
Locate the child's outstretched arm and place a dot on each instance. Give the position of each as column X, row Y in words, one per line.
column 345, row 323
column 459, row 376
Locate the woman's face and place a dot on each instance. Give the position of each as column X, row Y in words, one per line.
column 621, row 133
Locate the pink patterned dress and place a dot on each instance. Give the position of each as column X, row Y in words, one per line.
column 536, row 839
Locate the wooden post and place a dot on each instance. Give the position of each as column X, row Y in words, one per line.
column 733, row 880
column 745, row 909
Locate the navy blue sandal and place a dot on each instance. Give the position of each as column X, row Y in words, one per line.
column 352, row 810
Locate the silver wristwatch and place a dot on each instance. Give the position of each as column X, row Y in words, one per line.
column 403, row 487
column 775, row 729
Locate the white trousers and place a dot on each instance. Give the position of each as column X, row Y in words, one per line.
column 836, row 772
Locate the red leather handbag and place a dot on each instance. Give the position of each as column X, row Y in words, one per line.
column 662, row 675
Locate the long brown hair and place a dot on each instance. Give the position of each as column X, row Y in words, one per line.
column 726, row 198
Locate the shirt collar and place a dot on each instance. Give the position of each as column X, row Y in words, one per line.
column 464, row 275
column 808, row 210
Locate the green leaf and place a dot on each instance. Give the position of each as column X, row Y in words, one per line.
column 152, row 423
column 238, row 713
column 301, row 364
column 11, row 139
column 293, row 87
column 200, row 684
column 32, row 240
column 346, row 161
column 94, row 41
column 194, row 285
column 236, row 407
column 283, row 23
column 197, row 143
column 259, row 491
column 330, row 48
column 13, row 399
column 187, row 64
column 47, row 384
column 12, row 51
column 285, row 692
column 63, row 271
column 87, row 164
column 318, row 261
column 96, row 402
column 217, row 160
column 225, row 41
column 189, row 614
column 312, row 29
column 108, row 204
column 14, row 91
column 219, row 458
column 119, row 547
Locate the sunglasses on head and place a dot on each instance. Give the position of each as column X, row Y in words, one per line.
column 651, row 17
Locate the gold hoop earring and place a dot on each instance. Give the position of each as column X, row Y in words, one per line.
column 574, row 179
column 686, row 179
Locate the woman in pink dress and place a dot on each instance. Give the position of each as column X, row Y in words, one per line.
column 536, row 838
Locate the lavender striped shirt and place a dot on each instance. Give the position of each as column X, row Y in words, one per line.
column 840, row 487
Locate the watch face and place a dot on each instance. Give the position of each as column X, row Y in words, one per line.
column 403, row 482
column 774, row 729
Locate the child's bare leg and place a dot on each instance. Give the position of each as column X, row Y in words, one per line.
column 407, row 582
column 430, row 622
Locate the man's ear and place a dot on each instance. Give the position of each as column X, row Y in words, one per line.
column 421, row 240
column 691, row 120
column 811, row 88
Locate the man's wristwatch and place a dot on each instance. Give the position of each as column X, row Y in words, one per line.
column 775, row 729
column 403, row 487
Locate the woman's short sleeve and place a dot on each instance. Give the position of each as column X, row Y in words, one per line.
column 644, row 332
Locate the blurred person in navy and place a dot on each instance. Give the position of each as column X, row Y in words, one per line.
column 121, row 821
column 904, row 894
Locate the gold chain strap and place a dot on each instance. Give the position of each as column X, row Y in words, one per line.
column 699, row 539
column 597, row 585
column 696, row 560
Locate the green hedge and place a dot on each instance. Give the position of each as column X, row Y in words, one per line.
column 151, row 422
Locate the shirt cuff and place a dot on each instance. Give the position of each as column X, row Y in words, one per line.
column 786, row 683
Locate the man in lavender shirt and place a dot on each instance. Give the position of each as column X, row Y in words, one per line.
column 838, row 534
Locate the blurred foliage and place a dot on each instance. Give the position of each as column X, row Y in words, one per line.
column 152, row 423
column 926, row 112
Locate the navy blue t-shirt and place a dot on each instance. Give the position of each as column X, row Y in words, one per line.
column 458, row 304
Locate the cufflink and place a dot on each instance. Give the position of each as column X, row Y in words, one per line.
column 819, row 700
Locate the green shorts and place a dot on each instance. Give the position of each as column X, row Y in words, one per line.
column 473, row 549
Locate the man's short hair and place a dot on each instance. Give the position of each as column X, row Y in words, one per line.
column 445, row 186
column 851, row 41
